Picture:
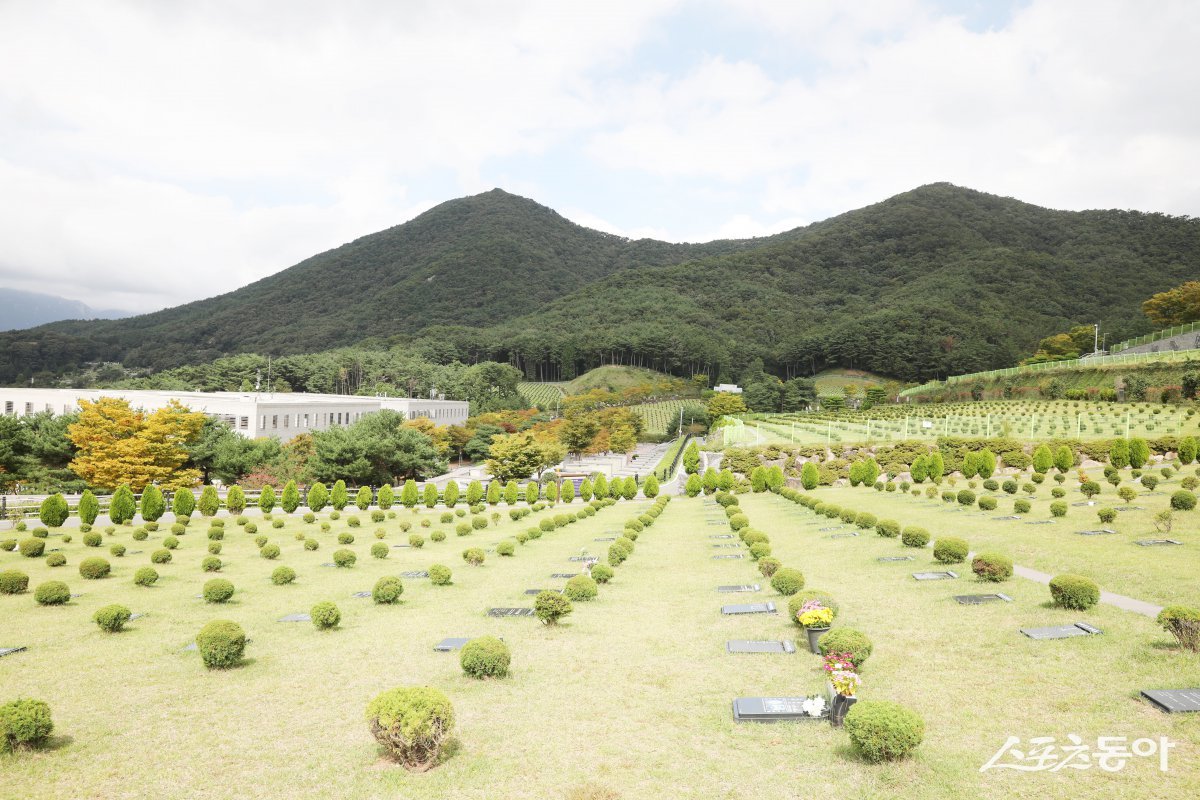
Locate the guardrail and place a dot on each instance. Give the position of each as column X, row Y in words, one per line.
column 666, row 472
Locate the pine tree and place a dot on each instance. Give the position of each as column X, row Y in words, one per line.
column 694, row 485
column 512, row 493
column 1043, row 459
column 387, row 496
column 153, row 504
column 409, row 495
column 493, row 493
column 318, row 497
column 871, row 473
column 935, row 467
column 970, row 464
column 552, row 492
column 449, row 495
column 1064, row 459
column 919, row 470
column 630, row 490
column 725, row 480
column 122, row 507
column 585, row 490
column 430, row 495
column 266, row 499
column 182, row 506
column 474, row 492
column 339, row 498
column 1139, row 453
column 809, row 477
column 289, row 501
column 89, row 507
column 567, row 494
column 691, row 459
column 709, row 481
column 209, row 503
column 758, row 479
column 235, row 500
column 532, row 492
column 1118, row 454
column 1187, row 449
column 363, row 498
column 856, row 473
column 54, row 511
column 650, row 486
column 600, row 486
column 986, row 463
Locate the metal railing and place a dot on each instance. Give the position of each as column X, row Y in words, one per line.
column 1154, row 337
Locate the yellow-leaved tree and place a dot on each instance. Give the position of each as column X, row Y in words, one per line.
column 119, row 445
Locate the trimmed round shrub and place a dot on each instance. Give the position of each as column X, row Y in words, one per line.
column 439, row 575
column 117, row 550
column 416, row 541
column 94, row 568
column 888, row 527
column 139, row 535
column 506, row 548
column 787, row 581
column 24, row 724
column 281, row 576
column 769, row 565
column 52, row 593
column 387, row 590
column 853, row 643
column 311, row 544
column 216, row 534
column 914, row 536
column 950, row 550
column 379, row 550
column 353, row 522
column 625, row 543
column 259, row 541
column 214, row 548
column 1021, row 506
column 1058, row 492
column 987, row 504
column 759, row 550
column 32, row 548
column 1107, row 515
column 479, row 522
column 412, row 724
column 170, row 543
column 1182, row 622
column 56, row 560
column 277, row 523
column 550, row 607
column 221, row 643
column 1074, row 592
column 602, row 573
column 218, row 590
column 325, row 615
column 92, row 539
column 992, row 567
column 438, row 536
column 464, row 528
column 160, row 557
column 473, row 556
column 269, row 551
column 251, row 528
column 344, row 558
column 177, row 528
column 485, row 657
column 310, row 517
column 966, row 497
column 112, row 619
column 145, row 576
column 1183, row 500
column 881, row 730
column 345, row 538
column 13, row 582
column 1058, row 508
column 580, row 589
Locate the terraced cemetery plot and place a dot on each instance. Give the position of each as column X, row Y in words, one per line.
column 658, row 416
column 1023, row 420
column 544, row 395
column 656, row 631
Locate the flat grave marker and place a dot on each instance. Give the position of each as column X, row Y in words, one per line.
column 585, row 559
column 8, row 651
column 1156, row 542
column 721, row 536
column 741, row 587
column 722, row 546
column 888, row 559
column 1097, row 532
column 398, row 546
column 138, row 615
column 417, row 573
column 834, row 528
column 752, row 646
column 450, row 644
column 539, row 591
column 730, row 555
column 296, row 618
column 843, row 535
column 1130, row 508
column 1061, row 631
column 361, row 594
column 979, row 599
column 771, row 709
column 936, row 576
column 565, row 574
column 605, row 539
column 1040, row 522
column 749, row 608
column 190, row 648
column 329, row 564
column 1174, row 701
column 510, row 612
column 1010, row 516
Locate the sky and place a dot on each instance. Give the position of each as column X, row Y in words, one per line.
column 154, row 152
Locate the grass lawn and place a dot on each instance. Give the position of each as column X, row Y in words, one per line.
column 631, row 694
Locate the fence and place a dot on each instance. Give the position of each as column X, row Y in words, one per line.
column 1058, row 366
column 664, row 474
column 1154, row 337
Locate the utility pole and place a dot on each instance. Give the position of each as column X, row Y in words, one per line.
column 1096, row 338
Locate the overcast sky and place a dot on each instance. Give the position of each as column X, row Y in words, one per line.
column 156, row 152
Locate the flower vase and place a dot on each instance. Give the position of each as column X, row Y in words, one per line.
column 813, row 635
column 838, row 708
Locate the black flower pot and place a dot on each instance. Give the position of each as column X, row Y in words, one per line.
column 838, row 709
column 813, row 635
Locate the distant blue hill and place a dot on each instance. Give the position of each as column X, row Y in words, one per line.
column 20, row 309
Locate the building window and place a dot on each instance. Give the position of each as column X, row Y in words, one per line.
column 286, row 420
column 244, row 423
column 274, row 420
column 306, row 420
column 263, row 427
column 49, row 409
column 28, row 409
column 8, row 406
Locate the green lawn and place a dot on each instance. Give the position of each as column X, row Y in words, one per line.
column 631, row 694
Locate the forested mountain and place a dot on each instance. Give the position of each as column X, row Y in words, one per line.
column 940, row 280
column 474, row 261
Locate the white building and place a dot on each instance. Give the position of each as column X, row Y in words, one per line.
column 731, row 388
column 282, row 414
